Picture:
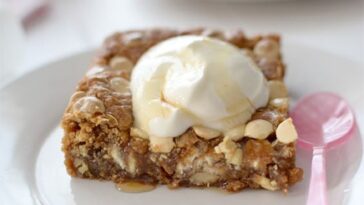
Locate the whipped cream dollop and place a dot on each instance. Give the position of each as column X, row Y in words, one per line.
column 194, row 80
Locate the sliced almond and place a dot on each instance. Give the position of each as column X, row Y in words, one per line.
column 88, row 105
column 117, row 156
column 205, row 132
column 121, row 63
column 132, row 164
column 161, row 144
column 258, row 129
column 236, row 133
column 120, row 85
column 94, row 70
column 267, row 48
column 286, row 132
column 277, row 89
column 77, row 95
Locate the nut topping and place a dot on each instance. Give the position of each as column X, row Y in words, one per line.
column 236, row 133
column 88, row 105
column 119, row 85
column 277, row 89
column 206, row 133
column 258, row 129
column 267, row 48
column 286, row 132
column 232, row 152
column 161, row 144
column 121, row 63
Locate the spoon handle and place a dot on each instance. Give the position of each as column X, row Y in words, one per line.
column 317, row 194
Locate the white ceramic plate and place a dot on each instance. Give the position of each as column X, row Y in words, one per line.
column 31, row 162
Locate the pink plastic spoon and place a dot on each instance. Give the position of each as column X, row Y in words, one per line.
column 323, row 121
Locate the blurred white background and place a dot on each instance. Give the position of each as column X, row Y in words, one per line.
column 62, row 28
column 71, row 26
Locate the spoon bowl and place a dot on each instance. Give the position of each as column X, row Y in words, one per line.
column 323, row 121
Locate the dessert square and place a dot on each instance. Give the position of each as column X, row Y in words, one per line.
column 107, row 123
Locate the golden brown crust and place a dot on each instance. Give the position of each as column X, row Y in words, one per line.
column 97, row 142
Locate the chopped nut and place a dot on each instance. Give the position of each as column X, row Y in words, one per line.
column 83, row 150
column 77, row 95
column 94, row 70
column 136, row 132
column 121, row 63
column 280, row 103
column 236, row 133
column 161, row 144
column 272, row 68
column 267, row 48
column 265, row 183
column 206, row 133
column 258, row 129
column 88, row 105
column 226, row 146
column 132, row 164
column 119, row 85
column 81, row 166
column 117, row 156
column 286, row 132
column 237, row 157
column 233, row 154
column 187, row 139
column 202, row 178
column 277, row 89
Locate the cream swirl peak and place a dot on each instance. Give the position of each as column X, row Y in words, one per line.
column 193, row 80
